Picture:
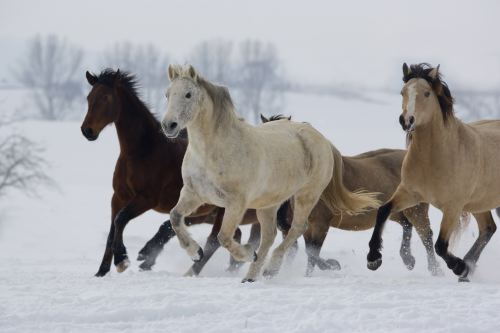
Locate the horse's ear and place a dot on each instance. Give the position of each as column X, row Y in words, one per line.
column 192, row 73
column 263, row 119
column 434, row 73
column 172, row 72
column 91, row 78
column 406, row 71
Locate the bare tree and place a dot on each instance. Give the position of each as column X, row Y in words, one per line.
column 22, row 166
column 260, row 80
column 214, row 58
column 50, row 69
column 147, row 62
column 253, row 73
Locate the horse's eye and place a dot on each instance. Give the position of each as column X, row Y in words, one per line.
column 188, row 95
column 427, row 94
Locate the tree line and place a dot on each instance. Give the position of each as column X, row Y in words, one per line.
column 52, row 70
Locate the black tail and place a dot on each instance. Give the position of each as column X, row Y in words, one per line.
column 285, row 216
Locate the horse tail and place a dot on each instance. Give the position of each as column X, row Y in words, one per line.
column 463, row 223
column 338, row 198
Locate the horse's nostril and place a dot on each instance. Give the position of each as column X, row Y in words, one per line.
column 87, row 131
column 412, row 120
column 401, row 120
column 172, row 125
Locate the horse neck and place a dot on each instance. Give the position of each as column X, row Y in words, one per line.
column 435, row 139
column 136, row 127
column 209, row 129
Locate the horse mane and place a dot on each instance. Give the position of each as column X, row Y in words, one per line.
column 221, row 98
column 109, row 77
column 440, row 88
column 128, row 81
column 278, row 117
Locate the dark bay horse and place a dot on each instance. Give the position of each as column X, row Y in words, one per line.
column 147, row 173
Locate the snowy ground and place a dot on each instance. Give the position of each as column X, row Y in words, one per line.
column 51, row 246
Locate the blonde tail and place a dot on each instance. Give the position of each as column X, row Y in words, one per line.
column 337, row 197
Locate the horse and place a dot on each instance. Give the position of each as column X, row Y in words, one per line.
column 377, row 171
column 147, row 173
column 232, row 164
column 449, row 164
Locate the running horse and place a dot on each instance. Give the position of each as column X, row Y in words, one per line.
column 147, row 174
column 450, row 164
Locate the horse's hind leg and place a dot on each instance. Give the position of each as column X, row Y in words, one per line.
column 487, row 228
column 419, row 218
column 314, row 238
column 303, row 206
column 267, row 220
column 155, row 245
column 405, row 250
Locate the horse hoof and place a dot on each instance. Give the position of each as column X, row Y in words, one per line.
column 101, row 273
column 374, row 265
column 269, row 273
column 234, row 267
column 463, row 279
column 123, row 265
column 190, row 273
column 436, row 271
column 333, row 265
column 410, row 263
column 245, row 280
column 198, row 256
column 146, row 266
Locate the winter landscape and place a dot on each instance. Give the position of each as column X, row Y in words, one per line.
column 334, row 72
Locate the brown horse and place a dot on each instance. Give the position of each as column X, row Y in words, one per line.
column 376, row 171
column 449, row 164
column 148, row 170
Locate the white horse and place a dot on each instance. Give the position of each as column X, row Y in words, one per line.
column 234, row 165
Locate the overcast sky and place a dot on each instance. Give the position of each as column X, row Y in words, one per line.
column 361, row 43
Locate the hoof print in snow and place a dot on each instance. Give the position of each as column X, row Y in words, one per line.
column 245, row 280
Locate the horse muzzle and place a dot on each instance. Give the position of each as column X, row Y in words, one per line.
column 171, row 129
column 89, row 134
column 407, row 125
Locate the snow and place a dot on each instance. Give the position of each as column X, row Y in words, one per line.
column 51, row 245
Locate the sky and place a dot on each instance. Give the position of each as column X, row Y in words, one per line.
column 355, row 43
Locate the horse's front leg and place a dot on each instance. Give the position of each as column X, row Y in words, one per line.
column 448, row 225
column 134, row 208
column 233, row 216
column 400, row 200
column 116, row 205
column 187, row 204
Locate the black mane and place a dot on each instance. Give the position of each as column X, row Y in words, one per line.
column 440, row 88
column 278, row 117
column 109, row 77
